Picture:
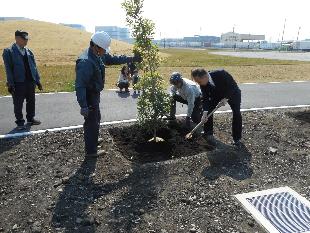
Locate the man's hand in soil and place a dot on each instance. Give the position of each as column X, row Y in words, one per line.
column 188, row 122
column 84, row 112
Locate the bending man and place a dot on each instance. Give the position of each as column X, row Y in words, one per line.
column 215, row 86
column 187, row 92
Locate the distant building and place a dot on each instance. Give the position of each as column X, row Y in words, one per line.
column 13, row 18
column 241, row 41
column 75, row 26
column 190, row 42
column 117, row 33
column 236, row 37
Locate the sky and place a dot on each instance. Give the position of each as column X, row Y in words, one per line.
column 177, row 18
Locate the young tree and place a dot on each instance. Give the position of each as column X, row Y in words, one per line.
column 154, row 103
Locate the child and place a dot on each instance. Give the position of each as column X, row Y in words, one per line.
column 135, row 80
column 123, row 80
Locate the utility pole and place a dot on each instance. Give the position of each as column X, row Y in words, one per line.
column 298, row 33
column 283, row 32
column 234, row 35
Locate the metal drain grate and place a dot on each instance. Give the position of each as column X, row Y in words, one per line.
column 280, row 210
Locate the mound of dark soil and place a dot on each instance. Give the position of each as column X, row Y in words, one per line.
column 133, row 142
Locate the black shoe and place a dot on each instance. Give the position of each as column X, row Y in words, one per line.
column 96, row 155
column 237, row 144
column 210, row 139
column 34, row 122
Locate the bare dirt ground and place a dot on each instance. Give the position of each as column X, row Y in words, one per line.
column 47, row 186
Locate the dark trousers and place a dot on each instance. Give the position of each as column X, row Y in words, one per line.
column 235, row 104
column 92, row 123
column 25, row 90
column 197, row 111
column 123, row 85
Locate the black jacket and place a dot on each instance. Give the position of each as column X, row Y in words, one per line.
column 225, row 87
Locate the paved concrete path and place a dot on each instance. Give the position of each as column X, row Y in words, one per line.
column 268, row 55
column 61, row 110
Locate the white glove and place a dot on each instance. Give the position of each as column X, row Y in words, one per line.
column 222, row 103
column 204, row 117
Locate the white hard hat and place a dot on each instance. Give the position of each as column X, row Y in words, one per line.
column 102, row 39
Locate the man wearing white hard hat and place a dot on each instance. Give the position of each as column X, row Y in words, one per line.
column 90, row 78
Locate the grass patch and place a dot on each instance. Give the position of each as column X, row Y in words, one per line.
column 202, row 58
column 60, row 77
column 53, row 44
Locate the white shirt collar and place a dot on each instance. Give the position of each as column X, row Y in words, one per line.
column 21, row 50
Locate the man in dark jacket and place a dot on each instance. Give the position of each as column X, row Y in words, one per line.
column 215, row 86
column 22, row 77
column 90, row 77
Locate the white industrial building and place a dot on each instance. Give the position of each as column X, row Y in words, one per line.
column 236, row 37
column 303, row 45
column 13, row 19
column 117, row 33
column 75, row 26
column 237, row 40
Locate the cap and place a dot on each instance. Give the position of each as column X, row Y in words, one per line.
column 175, row 78
column 22, row 34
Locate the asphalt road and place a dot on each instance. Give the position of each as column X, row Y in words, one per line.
column 268, row 55
column 61, row 110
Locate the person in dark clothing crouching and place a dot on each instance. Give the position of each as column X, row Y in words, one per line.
column 215, row 86
column 123, row 80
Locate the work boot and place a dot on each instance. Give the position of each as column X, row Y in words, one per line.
column 210, row 140
column 95, row 155
column 34, row 122
column 237, row 144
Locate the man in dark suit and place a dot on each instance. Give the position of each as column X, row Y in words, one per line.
column 215, row 86
column 22, row 78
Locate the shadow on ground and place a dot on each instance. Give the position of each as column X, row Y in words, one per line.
column 143, row 186
column 229, row 161
column 135, row 194
column 301, row 116
column 8, row 144
column 123, row 95
column 71, row 210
